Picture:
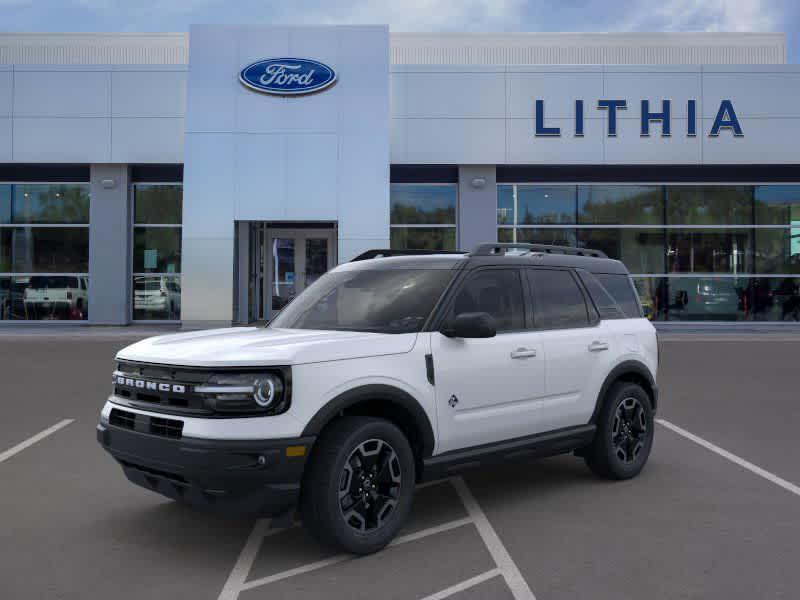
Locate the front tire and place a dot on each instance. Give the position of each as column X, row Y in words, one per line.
column 624, row 434
column 358, row 487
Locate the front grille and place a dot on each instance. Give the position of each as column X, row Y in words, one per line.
column 170, row 428
column 166, row 427
column 166, row 400
column 122, row 418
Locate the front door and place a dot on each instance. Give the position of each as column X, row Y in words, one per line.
column 294, row 259
column 489, row 389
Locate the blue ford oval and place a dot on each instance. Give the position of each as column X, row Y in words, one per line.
column 287, row 76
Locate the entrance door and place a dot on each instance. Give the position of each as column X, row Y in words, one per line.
column 294, row 259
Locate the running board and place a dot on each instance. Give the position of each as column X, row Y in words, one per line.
column 540, row 445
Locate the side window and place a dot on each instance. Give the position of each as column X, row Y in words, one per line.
column 622, row 290
column 606, row 305
column 494, row 291
column 558, row 301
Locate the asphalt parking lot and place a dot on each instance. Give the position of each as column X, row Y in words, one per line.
column 715, row 514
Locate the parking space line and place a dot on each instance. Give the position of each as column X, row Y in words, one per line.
column 261, row 530
column 464, row 585
column 4, row 456
column 234, row 590
column 771, row 477
column 508, row 568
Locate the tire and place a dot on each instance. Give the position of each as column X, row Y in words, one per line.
column 624, row 434
column 353, row 520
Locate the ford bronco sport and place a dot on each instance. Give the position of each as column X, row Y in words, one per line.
column 387, row 371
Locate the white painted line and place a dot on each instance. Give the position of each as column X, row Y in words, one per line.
column 427, row 484
column 464, row 585
column 240, row 571
column 33, row 439
column 339, row 558
column 788, row 486
column 516, row 583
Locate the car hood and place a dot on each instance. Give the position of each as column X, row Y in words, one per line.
column 259, row 346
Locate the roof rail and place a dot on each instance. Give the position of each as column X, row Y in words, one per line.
column 386, row 252
column 501, row 248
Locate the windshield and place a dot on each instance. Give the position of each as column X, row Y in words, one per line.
column 381, row 301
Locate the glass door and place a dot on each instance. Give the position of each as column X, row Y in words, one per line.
column 295, row 258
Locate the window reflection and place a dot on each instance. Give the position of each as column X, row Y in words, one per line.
column 421, row 238
column 709, row 205
column 642, row 250
column 156, row 297
column 613, row 204
column 546, row 205
column 709, row 251
column 413, row 205
column 44, row 297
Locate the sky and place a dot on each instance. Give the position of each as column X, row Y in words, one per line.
column 413, row 15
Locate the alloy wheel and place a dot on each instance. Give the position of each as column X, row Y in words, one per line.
column 629, row 430
column 369, row 486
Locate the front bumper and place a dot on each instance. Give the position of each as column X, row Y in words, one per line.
column 255, row 477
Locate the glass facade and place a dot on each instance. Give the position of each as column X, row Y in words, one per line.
column 423, row 216
column 156, row 286
column 696, row 252
column 44, row 251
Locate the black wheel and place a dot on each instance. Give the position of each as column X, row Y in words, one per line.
column 359, row 484
column 624, row 433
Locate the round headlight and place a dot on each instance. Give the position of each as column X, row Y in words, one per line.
column 264, row 391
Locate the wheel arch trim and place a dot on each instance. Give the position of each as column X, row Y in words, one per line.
column 628, row 367
column 372, row 392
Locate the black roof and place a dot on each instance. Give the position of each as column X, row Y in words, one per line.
column 492, row 254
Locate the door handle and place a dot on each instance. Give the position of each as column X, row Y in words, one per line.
column 597, row 346
column 523, row 353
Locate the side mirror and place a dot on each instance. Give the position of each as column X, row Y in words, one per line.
column 471, row 325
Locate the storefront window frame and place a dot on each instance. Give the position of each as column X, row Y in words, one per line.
column 753, row 226
column 453, row 226
column 133, row 226
column 10, row 275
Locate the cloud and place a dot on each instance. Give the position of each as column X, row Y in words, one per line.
column 705, row 15
column 415, row 15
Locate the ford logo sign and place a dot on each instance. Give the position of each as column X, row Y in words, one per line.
column 287, row 76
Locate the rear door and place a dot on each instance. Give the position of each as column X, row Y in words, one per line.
column 578, row 347
column 487, row 389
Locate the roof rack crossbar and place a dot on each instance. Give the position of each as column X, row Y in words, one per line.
column 386, row 252
column 502, row 247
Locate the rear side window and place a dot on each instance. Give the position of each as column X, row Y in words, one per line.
column 621, row 289
column 606, row 305
column 494, row 291
column 558, row 302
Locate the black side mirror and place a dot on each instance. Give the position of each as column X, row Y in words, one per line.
column 471, row 325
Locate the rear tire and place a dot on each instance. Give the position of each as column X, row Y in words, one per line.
column 624, row 434
column 359, row 484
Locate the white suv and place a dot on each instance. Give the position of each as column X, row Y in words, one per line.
column 388, row 371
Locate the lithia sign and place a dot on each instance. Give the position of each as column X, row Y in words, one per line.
column 725, row 120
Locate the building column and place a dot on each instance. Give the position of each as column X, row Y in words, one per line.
column 109, row 245
column 477, row 206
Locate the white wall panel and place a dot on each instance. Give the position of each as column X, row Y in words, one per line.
column 211, row 88
column 634, row 87
column 455, row 95
column 523, row 147
column 629, row 148
column 455, row 141
column 311, row 177
column 765, row 141
column 558, row 90
column 147, row 140
column 79, row 140
column 753, row 94
column 259, row 177
column 62, row 93
column 5, row 139
column 362, row 215
column 6, row 94
column 208, row 184
column 148, row 93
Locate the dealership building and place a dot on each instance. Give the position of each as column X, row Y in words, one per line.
column 208, row 177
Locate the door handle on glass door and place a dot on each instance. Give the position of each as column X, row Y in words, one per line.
column 523, row 353
column 597, row 346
